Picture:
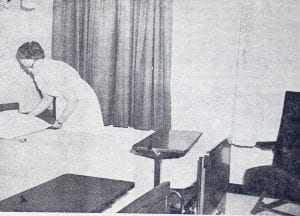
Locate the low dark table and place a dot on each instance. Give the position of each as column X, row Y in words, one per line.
column 165, row 144
column 68, row 193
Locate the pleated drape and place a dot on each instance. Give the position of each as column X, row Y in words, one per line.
column 122, row 48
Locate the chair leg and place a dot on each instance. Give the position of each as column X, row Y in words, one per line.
column 269, row 207
column 275, row 204
column 259, row 204
column 279, row 212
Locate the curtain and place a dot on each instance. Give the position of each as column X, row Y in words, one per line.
column 122, row 48
column 72, row 35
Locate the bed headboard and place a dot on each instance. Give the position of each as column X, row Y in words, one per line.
column 9, row 106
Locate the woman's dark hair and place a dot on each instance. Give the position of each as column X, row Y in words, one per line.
column 30, row 50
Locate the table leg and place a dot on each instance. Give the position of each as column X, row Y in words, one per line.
column 157, row 163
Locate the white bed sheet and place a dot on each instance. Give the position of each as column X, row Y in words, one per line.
column 50, row 153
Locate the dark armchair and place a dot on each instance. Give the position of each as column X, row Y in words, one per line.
column 282, row 179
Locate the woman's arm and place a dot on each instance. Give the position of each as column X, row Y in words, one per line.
column 42, row 106
column 72, row 102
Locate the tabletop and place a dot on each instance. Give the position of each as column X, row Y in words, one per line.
column 167, row 144
column 68, row 193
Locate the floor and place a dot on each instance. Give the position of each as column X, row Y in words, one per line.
column 245, row 158
column 237, row 204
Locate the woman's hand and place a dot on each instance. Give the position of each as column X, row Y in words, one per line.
column 57, row 125
column 25, row 113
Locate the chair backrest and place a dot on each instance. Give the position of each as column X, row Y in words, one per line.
column 153, row 202
column 9, row 106
column 287, row 149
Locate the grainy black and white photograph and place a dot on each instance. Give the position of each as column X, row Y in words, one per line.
column 150, row 107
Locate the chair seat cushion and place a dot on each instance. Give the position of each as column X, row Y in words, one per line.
column 274, row 181
column 287, row 157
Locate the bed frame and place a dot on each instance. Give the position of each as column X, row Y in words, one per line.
column 206, row 195
column 213, row 179
column 9, row 106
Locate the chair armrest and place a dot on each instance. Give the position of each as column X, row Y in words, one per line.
column 266, row 145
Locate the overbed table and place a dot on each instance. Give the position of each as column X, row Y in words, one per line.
column 68, row 193
column 165, row 144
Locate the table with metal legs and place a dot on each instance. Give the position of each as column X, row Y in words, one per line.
column 165, row 144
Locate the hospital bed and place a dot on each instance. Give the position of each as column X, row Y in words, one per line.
column 51, row 153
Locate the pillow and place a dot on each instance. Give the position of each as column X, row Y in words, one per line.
column 14, row 124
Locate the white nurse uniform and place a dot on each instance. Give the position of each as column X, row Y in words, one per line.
column 52, row 78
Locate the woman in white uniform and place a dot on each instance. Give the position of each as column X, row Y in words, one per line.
column 77, row 106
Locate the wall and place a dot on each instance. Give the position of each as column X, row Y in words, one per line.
column 269, row 65
column 18, row 26
column 231, row 63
